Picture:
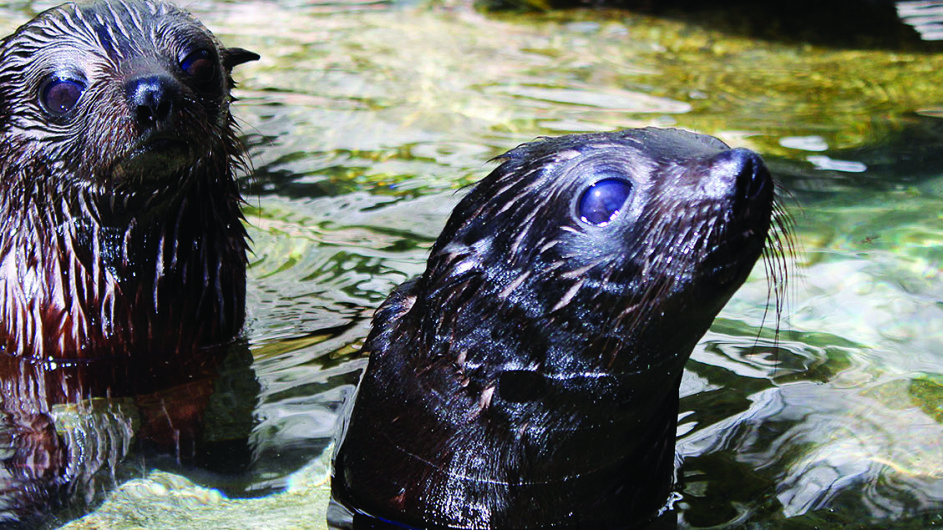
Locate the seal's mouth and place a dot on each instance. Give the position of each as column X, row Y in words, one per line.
column 155, row 157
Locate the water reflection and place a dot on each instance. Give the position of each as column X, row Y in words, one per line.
column 68, row 427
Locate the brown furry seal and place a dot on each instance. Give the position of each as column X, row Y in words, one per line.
column 121, row 228
column 529, row 378
column 122, row 250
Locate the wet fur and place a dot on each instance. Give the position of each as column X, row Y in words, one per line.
column 529, row 378
column 122, row 263
column 97, row 257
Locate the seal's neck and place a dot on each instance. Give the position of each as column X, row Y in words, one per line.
column 511, row 428
column 83, row 275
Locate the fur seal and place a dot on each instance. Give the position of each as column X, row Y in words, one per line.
column 122, row 250
column 529, row 377
column 121, row 225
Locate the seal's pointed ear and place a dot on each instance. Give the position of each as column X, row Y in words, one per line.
column 233, row 57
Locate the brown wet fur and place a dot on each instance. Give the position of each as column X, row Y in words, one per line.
column 121, row 234
column 122, row 249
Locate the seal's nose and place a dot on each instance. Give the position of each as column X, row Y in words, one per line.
column 153, row 98
column 743, row 173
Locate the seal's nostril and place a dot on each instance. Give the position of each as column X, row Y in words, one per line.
column 753, row 178
column 739, row 174
column 153, row 97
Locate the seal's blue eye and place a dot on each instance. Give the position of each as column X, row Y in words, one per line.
column 603, row 200
column 200, row 65
column 60, row 95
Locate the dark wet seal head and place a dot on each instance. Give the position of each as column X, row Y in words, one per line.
column 120, row 210
column 529, row 378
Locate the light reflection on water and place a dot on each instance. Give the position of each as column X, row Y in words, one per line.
column 364, row 120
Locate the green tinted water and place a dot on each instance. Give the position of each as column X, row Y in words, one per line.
column 365, row 119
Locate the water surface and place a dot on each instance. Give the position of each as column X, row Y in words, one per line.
column 366, row 119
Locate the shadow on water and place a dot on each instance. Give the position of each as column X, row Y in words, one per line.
column 863, row 24
column 908, row 155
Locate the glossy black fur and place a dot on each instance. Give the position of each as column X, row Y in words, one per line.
column 529, row 378
column 120, row 233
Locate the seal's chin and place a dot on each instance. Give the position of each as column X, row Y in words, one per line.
column 155, row 159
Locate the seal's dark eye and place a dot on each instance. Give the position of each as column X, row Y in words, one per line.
column 200, row 65
column 60, row 95
column 603, row 200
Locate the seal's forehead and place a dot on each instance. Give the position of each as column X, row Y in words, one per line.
column 651, row 144
column 113, row 28
column 671, row 144
column 117, row 26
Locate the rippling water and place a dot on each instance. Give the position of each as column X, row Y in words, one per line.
column 366, row 119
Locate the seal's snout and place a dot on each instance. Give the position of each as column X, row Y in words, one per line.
column 153, row 99
column 158, row 146
column 739, row 174
column 753, row 178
